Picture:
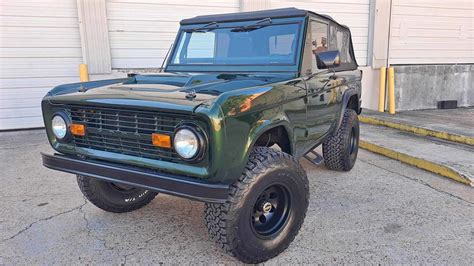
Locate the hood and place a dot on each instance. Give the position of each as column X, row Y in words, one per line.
column 184, row 91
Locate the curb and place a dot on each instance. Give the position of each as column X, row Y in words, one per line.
column 418, row 130
column 417, row 162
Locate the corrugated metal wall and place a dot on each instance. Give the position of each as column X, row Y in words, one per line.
column 353, row 13
column 141, row 31
column 432, row 32
column 40, row 48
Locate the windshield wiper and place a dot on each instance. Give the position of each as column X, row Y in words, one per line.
column 205, row 28
column 257, row 25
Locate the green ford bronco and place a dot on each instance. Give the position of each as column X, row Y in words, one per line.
column 242, row 98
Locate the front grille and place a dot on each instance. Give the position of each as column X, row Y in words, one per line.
column 125, row 131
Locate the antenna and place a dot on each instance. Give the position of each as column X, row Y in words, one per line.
column 164, row 59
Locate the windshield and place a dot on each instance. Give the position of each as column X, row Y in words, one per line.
column 264, row 45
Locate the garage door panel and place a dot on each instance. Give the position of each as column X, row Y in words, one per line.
column 39, row 52
column 14, row 94
column 40, row 49
column 140, row 36
column 11, row 9
column 26, row 102
column 21, row 122
column 20, row 112
column 137, row 62
column 432, row 32
column 40, row 43
column 143, row 41
column 214, row 3
column 150, row 44
column 15, row 21
column 36, row 82
column 160, row 12
column 138, row 26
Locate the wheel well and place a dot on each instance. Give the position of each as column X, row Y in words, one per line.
column 276, row 135
column 353, row 103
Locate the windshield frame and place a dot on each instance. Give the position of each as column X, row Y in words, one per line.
column 280, row 67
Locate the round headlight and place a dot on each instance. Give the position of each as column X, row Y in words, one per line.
column 186, row 143
column 59, row 127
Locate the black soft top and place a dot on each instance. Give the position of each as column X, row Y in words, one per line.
column 254, row 15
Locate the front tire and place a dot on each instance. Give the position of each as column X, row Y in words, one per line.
column 340, row 149
column 264, row 210
column 114, row 197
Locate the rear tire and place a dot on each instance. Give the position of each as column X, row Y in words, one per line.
column 113, row 197
column 265, row 208
column 340, row 149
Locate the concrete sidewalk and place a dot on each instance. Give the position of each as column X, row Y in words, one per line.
column 381, row 212
column 439, row 141
column 452, row 125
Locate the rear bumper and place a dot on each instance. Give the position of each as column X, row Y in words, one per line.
column 159, row 182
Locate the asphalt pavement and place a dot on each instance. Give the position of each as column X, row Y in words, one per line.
column 380, row 212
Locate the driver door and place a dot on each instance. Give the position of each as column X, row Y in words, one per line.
column 321, row 85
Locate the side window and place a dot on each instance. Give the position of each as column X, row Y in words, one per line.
column 339, row 40
column 319, row 40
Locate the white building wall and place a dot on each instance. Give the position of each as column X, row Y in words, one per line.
column 432, row 32
column 40, row 47
column 142, row 31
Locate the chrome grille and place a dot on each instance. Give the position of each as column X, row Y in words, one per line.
column 125, row 131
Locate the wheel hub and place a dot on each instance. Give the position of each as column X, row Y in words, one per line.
column 271, row 210
column 267, row 207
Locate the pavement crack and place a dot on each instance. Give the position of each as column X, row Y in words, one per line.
column 419, row 182
column 90, row 230
column 42, row 220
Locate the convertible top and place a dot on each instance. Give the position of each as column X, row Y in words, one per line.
column 255, row 15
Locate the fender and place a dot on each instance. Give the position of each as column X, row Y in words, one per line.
column 345, row 100
column 259, row 131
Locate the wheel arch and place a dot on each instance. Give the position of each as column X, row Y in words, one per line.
column 350, row 99
column 275, row 133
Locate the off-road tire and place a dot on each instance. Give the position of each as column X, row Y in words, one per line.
column 109, row 197
column 340, row 149
column 230, row 223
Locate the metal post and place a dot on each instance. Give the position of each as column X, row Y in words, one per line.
column 382, row 81
column 391, row 90
column 83, row 73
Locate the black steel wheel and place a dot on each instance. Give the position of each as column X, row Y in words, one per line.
column 271, row 210
column 264, row 210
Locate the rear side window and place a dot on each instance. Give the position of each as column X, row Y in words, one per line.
column 339, row 40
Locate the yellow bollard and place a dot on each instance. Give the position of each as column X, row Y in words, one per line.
column 383, row 72
column 391, row 90
column 83, row 73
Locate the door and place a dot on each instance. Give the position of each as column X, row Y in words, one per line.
column 322, row 86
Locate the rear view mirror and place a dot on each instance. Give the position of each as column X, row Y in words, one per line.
column 328, row 59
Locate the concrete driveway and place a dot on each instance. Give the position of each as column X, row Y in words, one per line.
column 380, row 212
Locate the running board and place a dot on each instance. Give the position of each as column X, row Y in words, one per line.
column 317, row 160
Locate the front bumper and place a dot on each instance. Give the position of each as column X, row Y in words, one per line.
column 159, row 182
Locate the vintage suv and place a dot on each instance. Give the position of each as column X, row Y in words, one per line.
column 243, row 97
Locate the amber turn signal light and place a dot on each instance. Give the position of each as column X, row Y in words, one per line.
column 161, row 140
column 78, row 129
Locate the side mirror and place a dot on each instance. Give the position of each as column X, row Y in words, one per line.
column 328, row 59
